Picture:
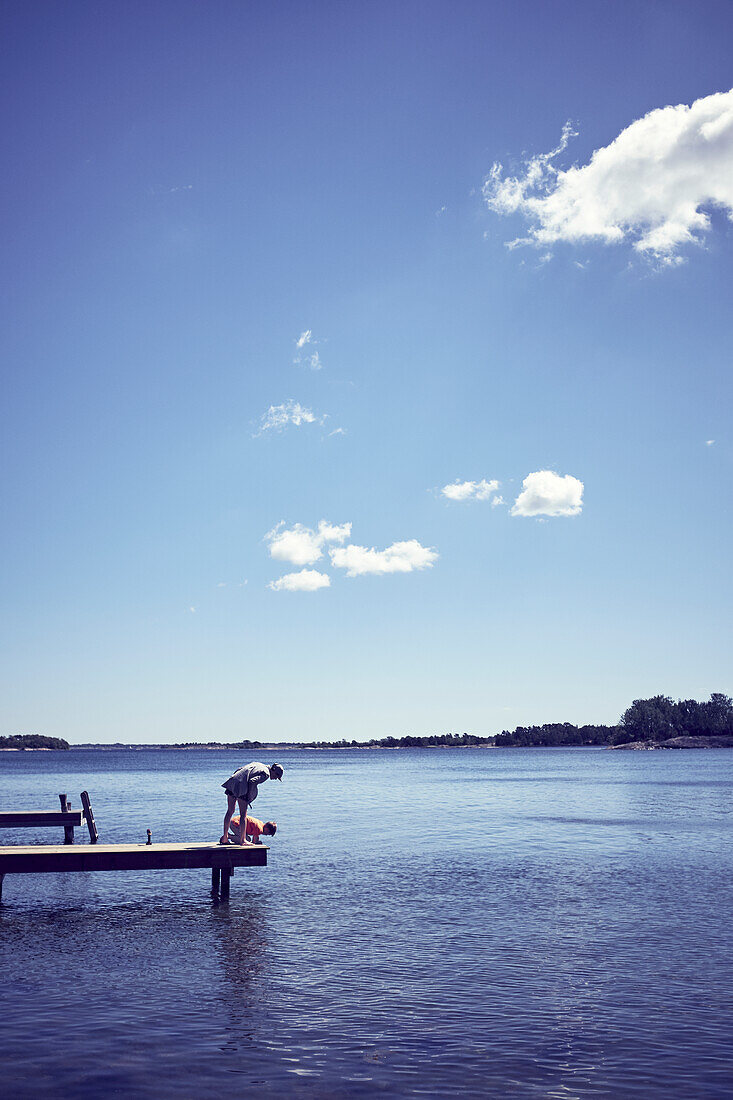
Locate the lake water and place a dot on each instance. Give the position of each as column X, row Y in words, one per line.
column 508, row 923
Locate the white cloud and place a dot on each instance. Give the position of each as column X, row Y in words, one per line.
column 470, row 490
column 545, row 493
column 282, row 416
column 170, row 190
column 307, row 580
column 338, row 431
column 648, row 187
column 496, row 501
column 306, row 358
column 301, row 545
column 709, row 442
column 400, row 557
column 333, row 532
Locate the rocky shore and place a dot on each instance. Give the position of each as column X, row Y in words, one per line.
column 722, row 742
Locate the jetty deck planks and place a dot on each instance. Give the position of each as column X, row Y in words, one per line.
column 49, row 858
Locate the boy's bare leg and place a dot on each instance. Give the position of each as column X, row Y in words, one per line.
column 231, row 803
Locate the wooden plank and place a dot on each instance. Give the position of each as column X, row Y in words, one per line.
column 22, row 819
column 47, row 858
column 91, row 824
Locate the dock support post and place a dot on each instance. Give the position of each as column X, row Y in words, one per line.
column 215, row 879
column 1, row 888
column 68, row 829
column 226, row 878
column 91, row 824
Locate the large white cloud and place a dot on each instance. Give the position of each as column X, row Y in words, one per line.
column 545, row 493
column 301, row 545
column 282, row 416
column 307, row 580
column 470, row 490
column 650, row 186
column 400, row 557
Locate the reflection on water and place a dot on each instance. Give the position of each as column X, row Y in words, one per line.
column 243, row 959
column 561, row 930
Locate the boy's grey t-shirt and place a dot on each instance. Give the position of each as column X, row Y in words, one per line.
column 244, row 782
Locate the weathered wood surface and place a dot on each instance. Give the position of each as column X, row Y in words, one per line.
column 91, row 824
column 68, row 829
column 22, row 819
column 40, row 859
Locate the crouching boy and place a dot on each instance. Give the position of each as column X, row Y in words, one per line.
column 255, row 829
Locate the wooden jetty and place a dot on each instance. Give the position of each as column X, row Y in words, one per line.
column 221, row 859
column 34, row 859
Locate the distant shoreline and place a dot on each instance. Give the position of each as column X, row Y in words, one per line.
column 269, row 748
column 710, row 742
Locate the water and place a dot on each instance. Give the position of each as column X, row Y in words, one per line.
column 509, row 923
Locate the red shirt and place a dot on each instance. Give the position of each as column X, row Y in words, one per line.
column 254, row 827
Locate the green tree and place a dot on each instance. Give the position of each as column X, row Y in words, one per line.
column 647, row 720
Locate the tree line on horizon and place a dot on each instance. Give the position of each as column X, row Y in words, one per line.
column 659, row 719
column 32, row 741
column 554, row 735
column 656, row 719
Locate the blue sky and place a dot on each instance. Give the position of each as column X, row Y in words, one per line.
column 188, row 189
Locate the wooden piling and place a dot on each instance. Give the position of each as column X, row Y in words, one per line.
column 215, row 879
column 91, row 824
column 68, row 829
column 226, row 878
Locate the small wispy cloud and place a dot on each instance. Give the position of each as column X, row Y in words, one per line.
column 470, row 490
column 338, row 431
column 171, row 190
column 709, row 442
column 289, row 414
column 307, row 580
column 545, row 493
column 400, row 557
column 307, row 353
